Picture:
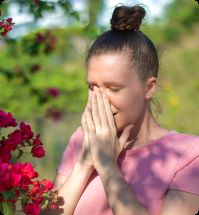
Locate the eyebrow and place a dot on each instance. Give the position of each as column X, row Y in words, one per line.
column 106, row 83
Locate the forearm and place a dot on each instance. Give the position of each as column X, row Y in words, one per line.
column 72, row 189
column 121, row 198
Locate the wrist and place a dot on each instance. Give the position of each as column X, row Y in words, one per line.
column 84, row 166
column 107, row 168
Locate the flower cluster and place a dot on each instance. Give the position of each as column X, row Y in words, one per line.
column 18, row 180
column 46, row 39
column 6, row 26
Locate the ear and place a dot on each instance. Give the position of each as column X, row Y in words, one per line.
column 151, row 84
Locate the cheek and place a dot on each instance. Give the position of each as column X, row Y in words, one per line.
column 128, row 101
column 131, row 106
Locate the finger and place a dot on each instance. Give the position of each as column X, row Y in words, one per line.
column 95, row 112
column 102, row 109
column 89, row 100
column 84, row 126
column 109, row 112
column 124, row 137
column 89, row 121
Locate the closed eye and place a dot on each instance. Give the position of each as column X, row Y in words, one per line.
column 114, row 90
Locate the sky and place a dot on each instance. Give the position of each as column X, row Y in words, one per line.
column 154, row 8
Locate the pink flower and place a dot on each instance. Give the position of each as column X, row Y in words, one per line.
column 38, row 151
column 6, row 119
column 26, row 131
column 32, row 209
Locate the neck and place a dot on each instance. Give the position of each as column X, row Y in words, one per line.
column 145, row 129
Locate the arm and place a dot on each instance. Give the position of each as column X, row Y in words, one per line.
column 121, row 199
column 71, row 189
column 180, row 203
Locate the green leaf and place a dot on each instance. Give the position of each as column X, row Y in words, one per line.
column 8, row 208
column 7, row 194
column 45, row 205
column 20, row 153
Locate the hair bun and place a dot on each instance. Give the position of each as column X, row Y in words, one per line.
column 127, row 18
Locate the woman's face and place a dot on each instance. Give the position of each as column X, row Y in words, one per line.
column 111, row 73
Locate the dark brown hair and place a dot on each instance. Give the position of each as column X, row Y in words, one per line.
column 126, row 37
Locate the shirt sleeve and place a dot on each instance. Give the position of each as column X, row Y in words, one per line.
column 187, row 177
column 66, row 163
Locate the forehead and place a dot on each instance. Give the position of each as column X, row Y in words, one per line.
column 108, row 68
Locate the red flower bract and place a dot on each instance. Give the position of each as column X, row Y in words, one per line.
column 14, row 139
column 38, row 151
column 26, row 131
column 32, row 209
column 6, row 25
column 28, row 171
column 6, row 119
column 37, row 141
column 47, row 184
column 16, row 179
column 5, row 153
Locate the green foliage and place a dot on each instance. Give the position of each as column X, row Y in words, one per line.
column 8, row 208
column 182, row 12
column 56, row 70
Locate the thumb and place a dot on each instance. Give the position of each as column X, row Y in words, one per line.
column 125, row 135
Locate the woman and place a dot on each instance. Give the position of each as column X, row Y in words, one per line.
column 120, row 160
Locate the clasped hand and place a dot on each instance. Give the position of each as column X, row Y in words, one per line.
column 101, row 143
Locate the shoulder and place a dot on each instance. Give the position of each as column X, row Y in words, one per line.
column 78, row 133
column 76, row 137
column 182, row 197
column 185, row 137
column 183, row 142
column 76, row 142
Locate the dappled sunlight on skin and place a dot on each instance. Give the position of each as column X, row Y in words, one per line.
column 146, row 176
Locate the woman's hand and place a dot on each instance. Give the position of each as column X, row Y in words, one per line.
column 85, row 158
column 105, row 146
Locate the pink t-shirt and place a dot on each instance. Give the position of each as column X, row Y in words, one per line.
column 170, row 162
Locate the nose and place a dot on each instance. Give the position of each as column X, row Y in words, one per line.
column 113, row 109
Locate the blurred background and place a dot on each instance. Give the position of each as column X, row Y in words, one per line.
column 42, row 65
